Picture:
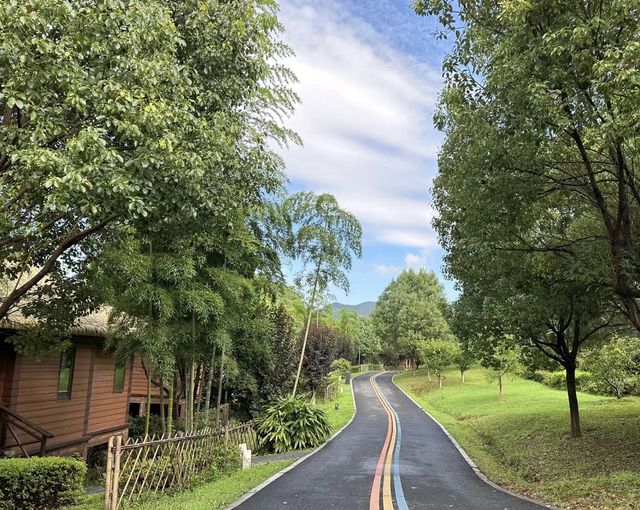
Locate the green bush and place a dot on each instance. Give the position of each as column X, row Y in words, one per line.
column 340, row 366
column 40, row 482
column 585, row 381
column 292, row 423
column 136, row 426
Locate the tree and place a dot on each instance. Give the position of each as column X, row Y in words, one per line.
column 325, row 240
column 438, row 355
column 411, row 309
column 540, row 106
column 535, row 230
column 127, row 114
column 464, row 358
column 504, row 359
column 321, row 352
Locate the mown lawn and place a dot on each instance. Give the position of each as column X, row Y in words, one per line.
column 522, row 441
column 339, row 418
column 209, row 496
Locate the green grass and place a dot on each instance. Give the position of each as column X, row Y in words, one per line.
column 339, row 418
column 523, row 441
column 210, row 496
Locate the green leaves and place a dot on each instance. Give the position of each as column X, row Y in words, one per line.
column 410, row 310
column 324, row 238
column 292, row 423
column 133, row 113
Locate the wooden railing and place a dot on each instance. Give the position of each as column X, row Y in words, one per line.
column 9, row 422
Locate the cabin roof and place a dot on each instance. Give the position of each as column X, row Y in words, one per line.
column 95, row 324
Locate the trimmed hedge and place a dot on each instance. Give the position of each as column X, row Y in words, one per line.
column 40, row 483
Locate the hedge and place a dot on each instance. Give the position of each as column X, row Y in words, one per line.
column 40, row 483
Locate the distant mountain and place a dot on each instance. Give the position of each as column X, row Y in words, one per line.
column 364, row 309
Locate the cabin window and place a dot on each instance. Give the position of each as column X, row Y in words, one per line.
column 65, row 377
column 118, row 378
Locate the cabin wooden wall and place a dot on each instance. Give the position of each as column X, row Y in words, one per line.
column 36, row 394
column 139, row 382
column 94, row 410
column 108, row 408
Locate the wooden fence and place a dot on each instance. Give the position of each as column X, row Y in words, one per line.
column 148, row 466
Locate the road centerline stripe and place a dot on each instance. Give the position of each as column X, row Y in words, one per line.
column 374, row 501
column 397, row 482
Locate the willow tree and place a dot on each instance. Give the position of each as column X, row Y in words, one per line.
column 325, row 238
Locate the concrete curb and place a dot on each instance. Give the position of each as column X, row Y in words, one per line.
column 468, row 459
column 269, row 481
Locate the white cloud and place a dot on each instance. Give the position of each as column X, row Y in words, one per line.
column 386, row 270
column 365, row 119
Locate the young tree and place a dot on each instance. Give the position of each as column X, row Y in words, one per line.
column 504, row 359
column 438, row 355
column 325, row 239
column 464, row 358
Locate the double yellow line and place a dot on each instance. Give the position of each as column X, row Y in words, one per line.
column 385, row 462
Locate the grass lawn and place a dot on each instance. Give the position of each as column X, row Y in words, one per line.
column 341, row 417
column 522, row 441
column 210, row 496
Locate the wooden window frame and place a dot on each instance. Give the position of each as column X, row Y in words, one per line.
column 66, row 395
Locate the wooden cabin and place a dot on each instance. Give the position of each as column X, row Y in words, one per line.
column 66, row 403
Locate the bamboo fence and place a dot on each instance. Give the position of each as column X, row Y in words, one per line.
column 142, row 467
column 330, row 391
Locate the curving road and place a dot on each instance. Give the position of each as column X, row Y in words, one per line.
column 391, row 457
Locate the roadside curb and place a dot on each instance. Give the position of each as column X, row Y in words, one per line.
column 468, row 459
column 273, row 478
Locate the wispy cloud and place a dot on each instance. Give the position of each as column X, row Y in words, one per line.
column 365, row 120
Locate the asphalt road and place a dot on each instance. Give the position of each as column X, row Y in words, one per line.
column 391, row 457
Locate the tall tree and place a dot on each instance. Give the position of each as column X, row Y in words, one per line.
column 127, row 113
column 410, row 310
column 540, row 105
column 324, row 240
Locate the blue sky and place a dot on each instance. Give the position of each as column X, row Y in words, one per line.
column 369, row 74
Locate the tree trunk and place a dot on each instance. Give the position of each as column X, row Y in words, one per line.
column 186, row 385
column 574, row 410
column 219, row 399
column 429, row 374
column 500, row 385
column 306, row 333
column 198, row 389
column 461, row 376
column 163, row 419
column 172, row 385
column 192, row 396
column 440, row 381
column 148, row 403
column 207, row 404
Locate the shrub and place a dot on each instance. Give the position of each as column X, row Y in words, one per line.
column 40, row 482
column 585, row 381
column 292, row 423
column 616, row 366
column 340, row 366
column 136, row 426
